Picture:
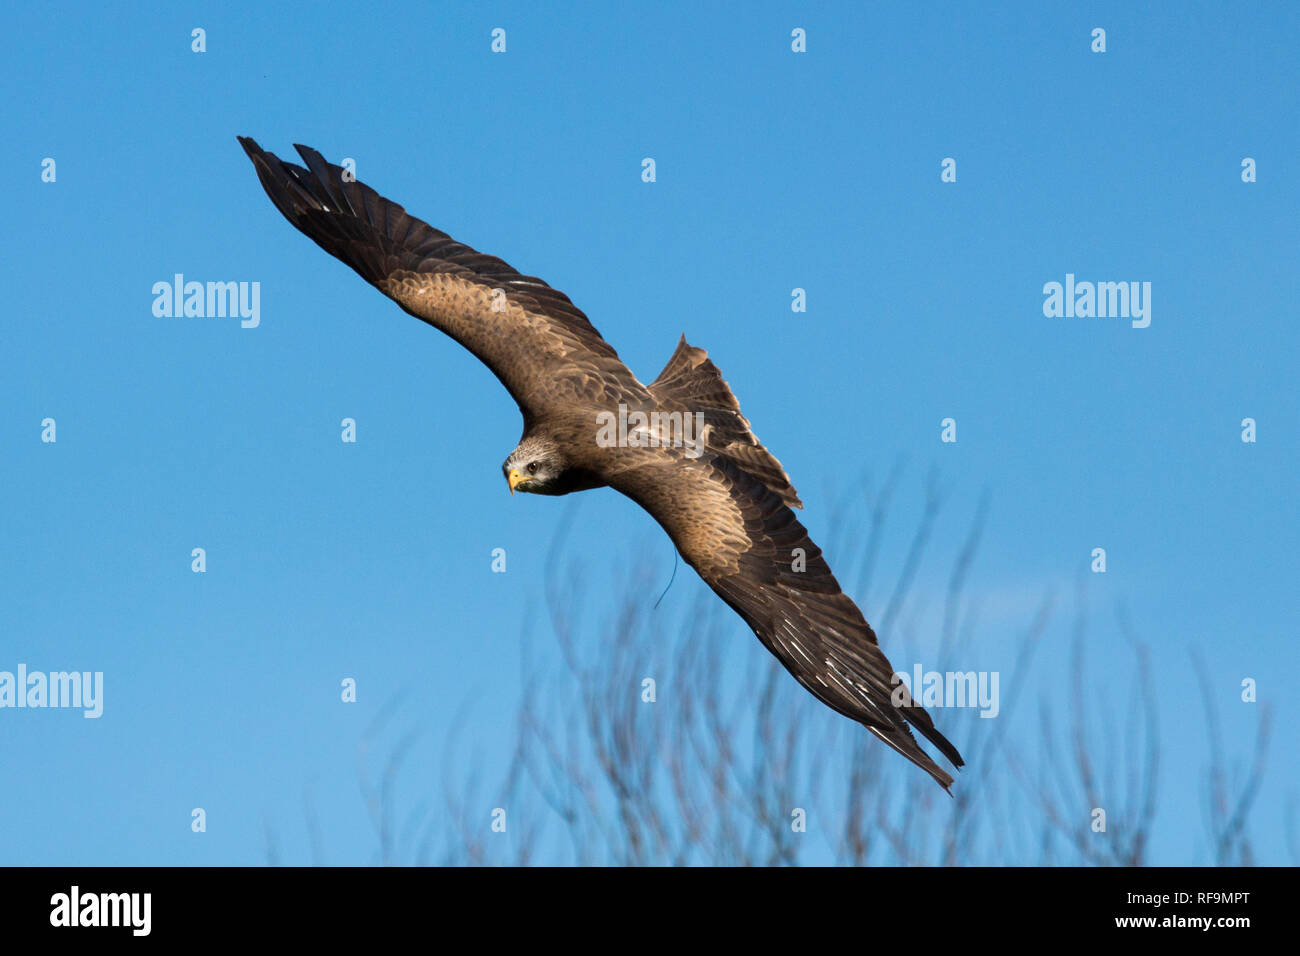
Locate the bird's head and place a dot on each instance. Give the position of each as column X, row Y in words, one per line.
column 536, row 467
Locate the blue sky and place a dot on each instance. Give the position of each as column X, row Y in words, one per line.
column 775, row 171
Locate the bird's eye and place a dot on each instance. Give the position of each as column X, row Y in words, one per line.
column 532, row 467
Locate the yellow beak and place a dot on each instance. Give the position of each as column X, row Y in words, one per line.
column 515, row 478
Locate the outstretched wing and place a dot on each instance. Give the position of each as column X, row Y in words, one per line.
column 747, row 544
column 537, row 342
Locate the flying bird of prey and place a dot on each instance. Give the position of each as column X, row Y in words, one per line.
column 725, row 501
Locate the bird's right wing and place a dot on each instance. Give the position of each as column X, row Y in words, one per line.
column 746, row 543
column 535, row 340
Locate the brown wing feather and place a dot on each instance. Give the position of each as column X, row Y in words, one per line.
column 692, row 383
column 536, row 341
column 742, row 538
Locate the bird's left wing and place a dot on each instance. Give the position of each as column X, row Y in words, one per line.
column 536, row 341
column 746, row 543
